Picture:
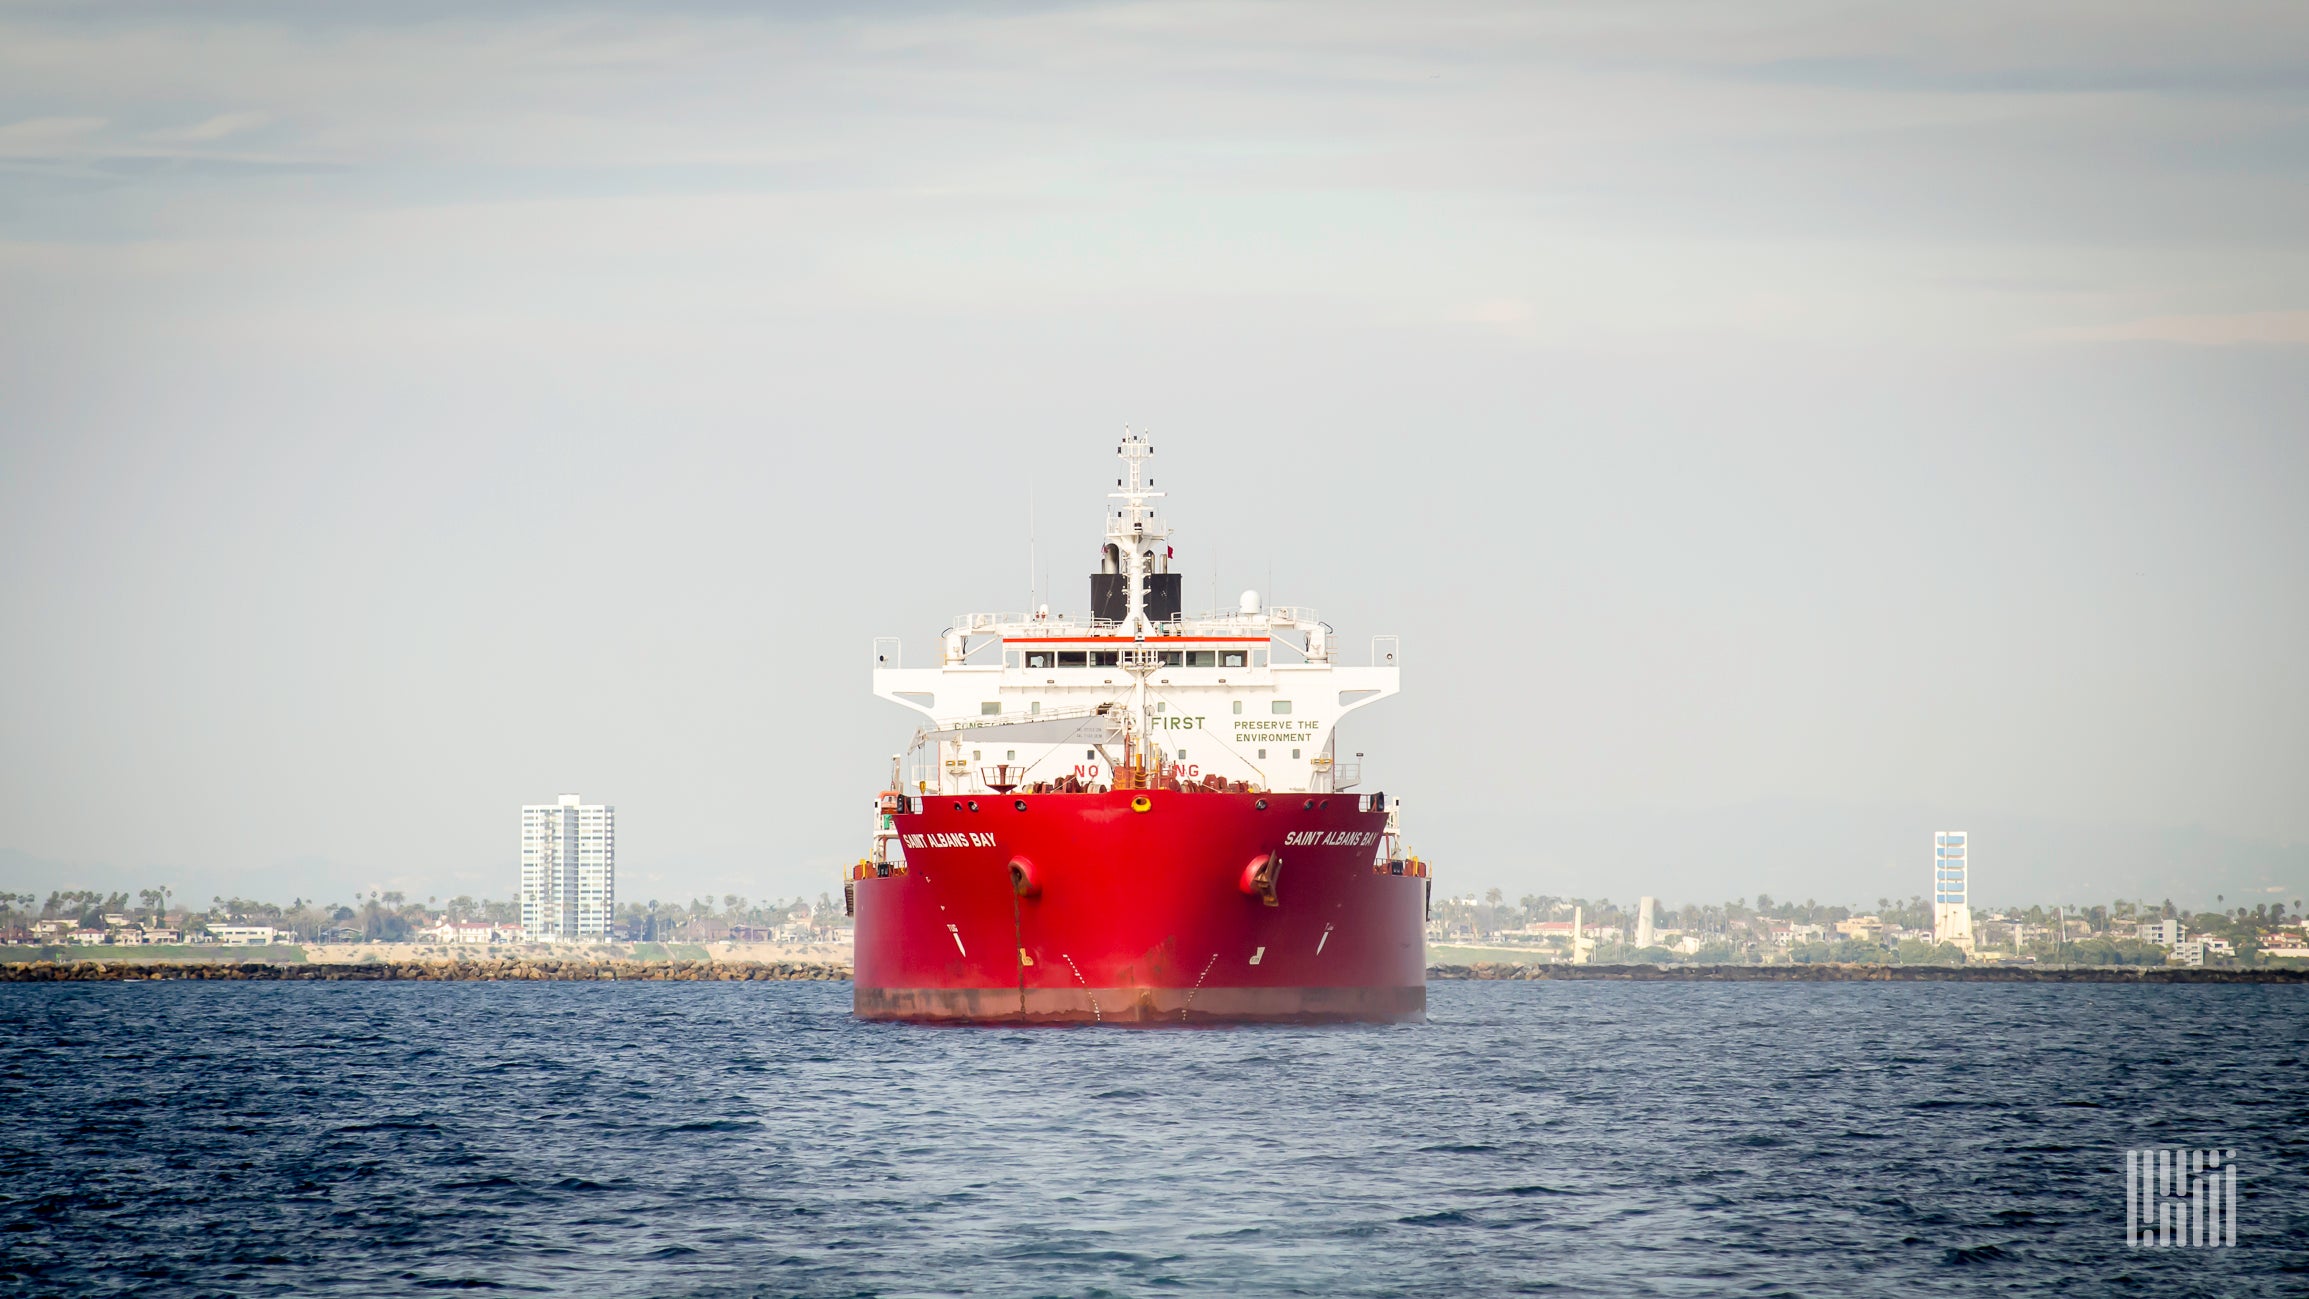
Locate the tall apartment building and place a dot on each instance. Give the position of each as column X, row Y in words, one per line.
column 568, row 868
column 1952, row 888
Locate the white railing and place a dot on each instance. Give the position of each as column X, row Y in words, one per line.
column 976, row 622
column 1221, row 622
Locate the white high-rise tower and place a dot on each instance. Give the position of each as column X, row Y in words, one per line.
column 1952, row 888
column 568, row 868
column 1644, row 922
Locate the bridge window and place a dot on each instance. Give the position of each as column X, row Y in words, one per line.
column 1202, row 658
column 1039, row 659
column 1010, row 658
column 1073, row 658
column 1230, row 658
column 990, row 708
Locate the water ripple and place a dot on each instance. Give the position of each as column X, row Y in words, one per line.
column 752, row 1138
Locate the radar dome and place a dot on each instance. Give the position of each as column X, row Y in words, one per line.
column 1250, row 602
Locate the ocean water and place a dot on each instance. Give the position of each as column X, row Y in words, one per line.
column 172, row 1138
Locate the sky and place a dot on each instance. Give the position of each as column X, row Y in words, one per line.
column 1776, row 431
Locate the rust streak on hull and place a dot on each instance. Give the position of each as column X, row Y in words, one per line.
column 1144, row 1005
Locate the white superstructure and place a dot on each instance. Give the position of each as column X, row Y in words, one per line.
column 1250, row 696
column 568, row 868
column 1952, row 888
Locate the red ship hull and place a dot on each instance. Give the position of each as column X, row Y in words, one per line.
column 1084, row 908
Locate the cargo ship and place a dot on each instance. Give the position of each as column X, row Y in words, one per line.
column 1136, row 816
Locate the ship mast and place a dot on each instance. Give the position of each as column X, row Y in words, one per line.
column 1137, row 536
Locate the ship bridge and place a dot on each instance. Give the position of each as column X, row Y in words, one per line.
column 1135, row 693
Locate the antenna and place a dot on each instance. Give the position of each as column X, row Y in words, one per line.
column 1033, row 565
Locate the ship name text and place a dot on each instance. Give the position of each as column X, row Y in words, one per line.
column 963, row 839
column 1331, row 838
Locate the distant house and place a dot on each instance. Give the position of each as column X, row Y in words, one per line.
column 2164, row 933
column 243, row 935
column 461, row 931
column 2193, row 951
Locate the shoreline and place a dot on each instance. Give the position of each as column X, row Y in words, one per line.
column 1499, row 971
column 577, row 969
column 517, row 970
column 395, row 953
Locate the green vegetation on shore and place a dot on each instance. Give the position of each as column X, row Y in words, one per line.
column 279, row 954
column 382, row 917
column 1537, row 929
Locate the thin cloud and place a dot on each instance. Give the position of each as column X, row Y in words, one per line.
column 2238, row 329
column 215, row 128
column 47, row 134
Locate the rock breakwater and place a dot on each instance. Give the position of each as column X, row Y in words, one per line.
column 1500, row 970
column 543, row 969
